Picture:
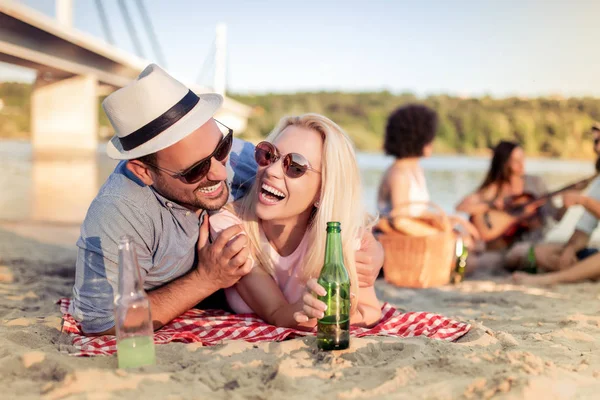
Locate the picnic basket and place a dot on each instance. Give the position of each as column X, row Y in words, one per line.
column 419, row 250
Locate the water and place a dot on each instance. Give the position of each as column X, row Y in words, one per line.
column 450, row 178
column 136, row 352
column 60, row 190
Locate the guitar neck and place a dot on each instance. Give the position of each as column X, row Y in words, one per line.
column 547, row 196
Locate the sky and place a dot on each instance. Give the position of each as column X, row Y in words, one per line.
column 462, row 47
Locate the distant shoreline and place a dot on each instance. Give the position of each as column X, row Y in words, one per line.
column 478, row 153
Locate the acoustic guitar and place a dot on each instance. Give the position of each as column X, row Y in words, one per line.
column 498, row 227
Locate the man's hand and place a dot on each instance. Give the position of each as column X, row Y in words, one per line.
column 225, row 261
column 369, row 260
column 572, row 198
column 498, row 204
column 567, row 257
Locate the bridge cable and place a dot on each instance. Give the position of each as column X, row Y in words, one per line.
column 104, row 22
column 128, row 22
column 151, row 33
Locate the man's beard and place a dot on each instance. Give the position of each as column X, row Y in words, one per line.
column 191, row 200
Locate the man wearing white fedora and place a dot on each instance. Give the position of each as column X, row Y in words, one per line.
column 176, row 163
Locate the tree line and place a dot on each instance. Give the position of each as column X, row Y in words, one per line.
column 553, row 127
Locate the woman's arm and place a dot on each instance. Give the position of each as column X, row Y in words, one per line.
column 399, row 189
column 258, row 290
column 475, row 204
column 262, row 294
column 368, row 311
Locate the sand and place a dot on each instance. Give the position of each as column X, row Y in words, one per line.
column 531, row 343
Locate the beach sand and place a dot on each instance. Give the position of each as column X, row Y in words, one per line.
column 529, row 343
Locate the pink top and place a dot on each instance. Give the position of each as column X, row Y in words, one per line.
column 287, row 269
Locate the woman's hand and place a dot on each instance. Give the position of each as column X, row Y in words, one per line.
column 312, row 308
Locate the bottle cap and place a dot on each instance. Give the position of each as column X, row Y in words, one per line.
column 334, row 226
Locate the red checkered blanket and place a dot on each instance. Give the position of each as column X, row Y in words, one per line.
column 211, row 327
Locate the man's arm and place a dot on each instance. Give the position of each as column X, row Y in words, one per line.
column 578, row 241
column 589, row 203
column 587, row 222
column 220, row 265
column 369, row 260
column 176, row 297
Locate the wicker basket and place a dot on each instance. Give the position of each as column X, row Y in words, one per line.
column 418, row 261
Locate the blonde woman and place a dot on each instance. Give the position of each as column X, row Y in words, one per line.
column 307, row 175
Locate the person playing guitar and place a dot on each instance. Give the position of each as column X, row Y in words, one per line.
column 507, row 188
column 573, row 261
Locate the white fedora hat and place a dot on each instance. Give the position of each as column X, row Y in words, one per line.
column 154, row 112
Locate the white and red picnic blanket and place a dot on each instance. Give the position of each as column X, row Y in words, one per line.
column 211, row 327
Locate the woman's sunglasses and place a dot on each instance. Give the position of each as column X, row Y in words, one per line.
column 294, row 164
column 199, row 170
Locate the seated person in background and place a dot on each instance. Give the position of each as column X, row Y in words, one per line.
column 506, row 178
column 565, row 262
column 409, row 136
column 574, row 261
column 307, row 175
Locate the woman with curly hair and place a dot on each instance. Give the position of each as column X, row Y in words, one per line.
column 409, row 136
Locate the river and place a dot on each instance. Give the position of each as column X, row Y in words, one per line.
column 60, row 190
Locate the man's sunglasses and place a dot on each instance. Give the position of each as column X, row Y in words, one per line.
column 294, row 165
column 199, row 170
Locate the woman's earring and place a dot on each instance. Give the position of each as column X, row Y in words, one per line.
column 317, row 204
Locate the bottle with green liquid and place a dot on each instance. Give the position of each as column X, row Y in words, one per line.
column 462, row 253
column 133, row 322
column 333, row 330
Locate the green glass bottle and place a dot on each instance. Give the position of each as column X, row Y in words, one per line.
column 133, row 321
column 333, row 330
column 461, row 261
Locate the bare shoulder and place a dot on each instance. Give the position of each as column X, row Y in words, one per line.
column 397, row 172
column 487, row 193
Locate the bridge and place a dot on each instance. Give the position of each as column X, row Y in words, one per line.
column 73, row 70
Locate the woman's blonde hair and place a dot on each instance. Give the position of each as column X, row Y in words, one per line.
column 340, row 200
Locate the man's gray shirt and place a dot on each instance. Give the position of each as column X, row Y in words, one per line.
column 165, row 234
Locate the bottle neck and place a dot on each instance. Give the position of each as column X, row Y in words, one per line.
column 130, row 279
column 333, row 247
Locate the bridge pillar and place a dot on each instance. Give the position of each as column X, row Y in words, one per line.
column 64, row 115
